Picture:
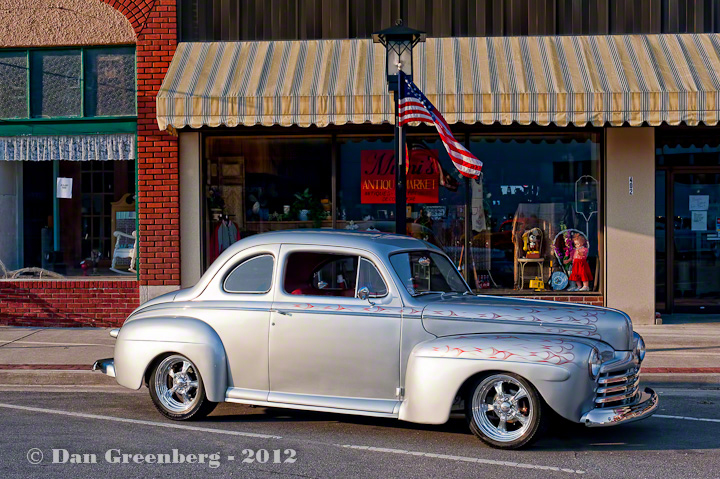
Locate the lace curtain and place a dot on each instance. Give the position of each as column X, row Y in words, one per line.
column 118, row 146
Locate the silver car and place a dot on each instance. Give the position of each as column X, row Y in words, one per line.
column 377, row 325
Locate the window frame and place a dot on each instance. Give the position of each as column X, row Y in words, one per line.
column 242, row 262
column 82, row 114
column 359, row 256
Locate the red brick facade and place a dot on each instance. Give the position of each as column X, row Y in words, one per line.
column 67, row 302
column 108, row 302
column 158, row 199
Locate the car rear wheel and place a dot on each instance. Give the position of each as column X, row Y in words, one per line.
column 505, row 411
column 177, row 390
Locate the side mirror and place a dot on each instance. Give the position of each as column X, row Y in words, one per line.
column 363, row 293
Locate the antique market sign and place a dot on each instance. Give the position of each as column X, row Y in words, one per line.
column 377, row 176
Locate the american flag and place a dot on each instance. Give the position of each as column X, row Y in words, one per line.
column 414, row 106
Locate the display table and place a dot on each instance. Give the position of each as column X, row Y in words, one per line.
column 523, row 262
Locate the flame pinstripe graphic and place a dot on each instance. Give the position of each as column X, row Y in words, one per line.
column 549, row 351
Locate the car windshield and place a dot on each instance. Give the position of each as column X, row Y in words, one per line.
column 425, row 272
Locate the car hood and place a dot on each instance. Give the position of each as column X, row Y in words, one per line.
column 493, row 314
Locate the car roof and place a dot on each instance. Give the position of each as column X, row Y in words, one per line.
column 376, row 242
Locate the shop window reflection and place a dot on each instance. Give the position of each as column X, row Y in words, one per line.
column 544, row 191
column 435, row 190
column 254, row 185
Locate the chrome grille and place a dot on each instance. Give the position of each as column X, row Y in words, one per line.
column 617, row 388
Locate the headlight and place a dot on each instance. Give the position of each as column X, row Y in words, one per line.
column 639, row 348
column 594, row 363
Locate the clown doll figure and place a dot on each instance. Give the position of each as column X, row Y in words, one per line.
column 580, row 268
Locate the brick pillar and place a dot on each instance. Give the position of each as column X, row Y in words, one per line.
column 155, row 24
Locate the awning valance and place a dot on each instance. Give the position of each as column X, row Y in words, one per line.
column 115, row 146
column 565, row 79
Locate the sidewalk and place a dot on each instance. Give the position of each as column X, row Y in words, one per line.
column 676, row 353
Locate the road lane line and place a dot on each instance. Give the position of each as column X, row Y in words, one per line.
column 461, row 458
column 139, row 421
column 267, row 436
column 703, row 419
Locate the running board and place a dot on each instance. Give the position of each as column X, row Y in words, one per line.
column 305, row 407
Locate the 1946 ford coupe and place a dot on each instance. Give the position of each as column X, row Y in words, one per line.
column 377, row 325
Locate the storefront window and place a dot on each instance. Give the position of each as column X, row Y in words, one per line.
column 366, row 184
column 535, row 213
column 435, row 190
column 253, row 185
column 77, row 218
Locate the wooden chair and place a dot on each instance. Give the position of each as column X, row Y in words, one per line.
column 125, row 252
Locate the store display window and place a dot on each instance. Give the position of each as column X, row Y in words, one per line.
column 535, row 213
column 253, row 185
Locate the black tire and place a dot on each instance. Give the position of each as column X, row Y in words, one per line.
column 192, row 405
column 525, row 416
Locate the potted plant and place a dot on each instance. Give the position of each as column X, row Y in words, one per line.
column 307, row 208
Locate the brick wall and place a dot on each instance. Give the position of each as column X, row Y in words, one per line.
column 108, row 302
column 67, row 303
column 158, row 199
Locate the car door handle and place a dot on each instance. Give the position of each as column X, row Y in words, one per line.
column 284, row 313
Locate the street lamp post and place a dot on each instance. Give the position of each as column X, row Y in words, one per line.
column 399, row 42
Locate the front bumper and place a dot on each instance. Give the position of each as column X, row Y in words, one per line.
column 105, row 366
column 645, row 407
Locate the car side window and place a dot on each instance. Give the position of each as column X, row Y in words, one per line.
column 369, row 277
column 253, row 275
column 320, row 274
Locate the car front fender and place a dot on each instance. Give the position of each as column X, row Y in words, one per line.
column 141, row 341
column 437, row 369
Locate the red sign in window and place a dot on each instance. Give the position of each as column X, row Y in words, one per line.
column 377, row 176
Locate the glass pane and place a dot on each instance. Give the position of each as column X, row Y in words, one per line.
column 436, row 197
column 423, row 272
column 696, row 224
column 265, row 184
column 369, row 277
column 366, row 182
column 13, row 78
column 110, row 82
column 535, row 213
column 252, row 276
column 660, row 238
column 97, row 205
column 336, row 275
column 56, row 83
column 320, row 274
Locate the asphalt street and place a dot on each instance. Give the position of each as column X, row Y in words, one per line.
column 121, row 431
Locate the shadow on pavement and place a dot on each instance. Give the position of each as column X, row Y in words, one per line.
column 652, row 434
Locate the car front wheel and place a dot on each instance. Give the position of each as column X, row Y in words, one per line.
column 177, row 390
column 505, row 411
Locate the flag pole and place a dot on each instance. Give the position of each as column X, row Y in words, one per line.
column 400, row 177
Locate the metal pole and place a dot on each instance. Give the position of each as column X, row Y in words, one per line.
column 400, row 192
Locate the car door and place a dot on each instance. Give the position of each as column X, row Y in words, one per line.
column 327, row 347
column 237, row 304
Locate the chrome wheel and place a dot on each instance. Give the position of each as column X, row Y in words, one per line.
column 501, row 408
column 177, row 384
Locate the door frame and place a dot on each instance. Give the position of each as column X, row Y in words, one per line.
column 670, row 172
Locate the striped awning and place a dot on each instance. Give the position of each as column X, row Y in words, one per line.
column 614, row 80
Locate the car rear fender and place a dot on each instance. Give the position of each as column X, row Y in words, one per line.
column 143, row 340
column 438, row 369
